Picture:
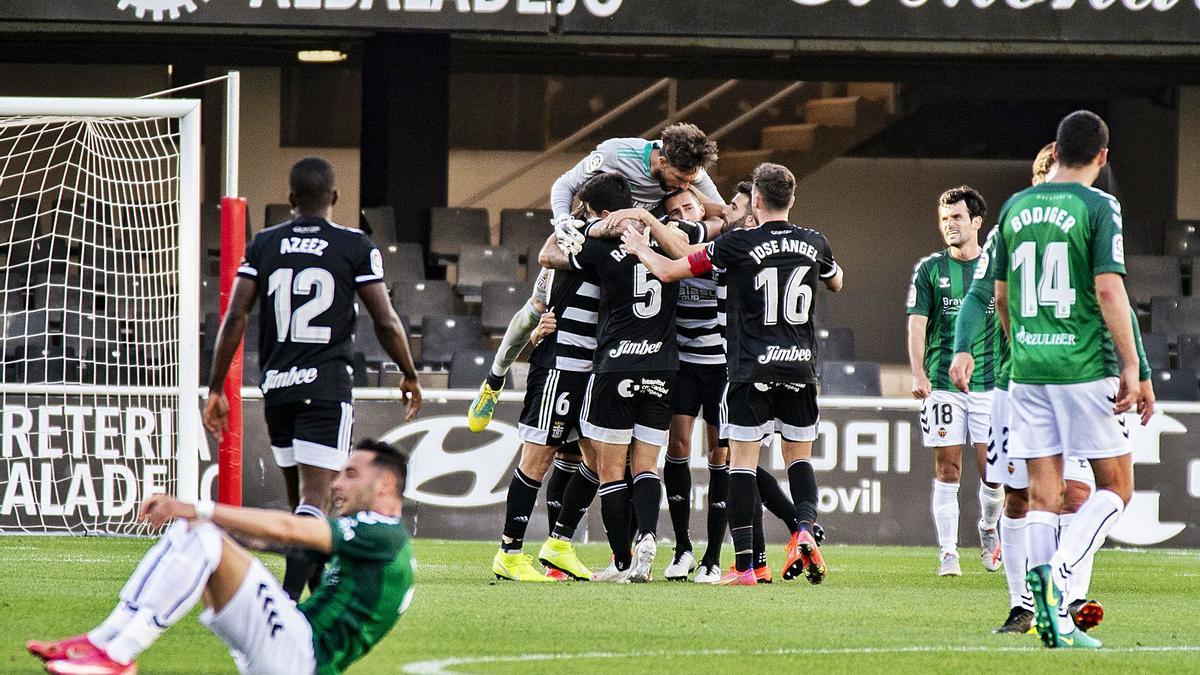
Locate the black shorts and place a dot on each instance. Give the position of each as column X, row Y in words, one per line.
column 620, row 407
column 697, row 389
column 753, row 411
column 313, row 433
column 553, row 399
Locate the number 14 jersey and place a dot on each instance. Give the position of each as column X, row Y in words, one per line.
column 308, row 271
column 770, row 274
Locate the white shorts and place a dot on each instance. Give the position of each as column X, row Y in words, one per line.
column 1001, row 467
column 266, row 633
column 947, row 417
column 1073, row 420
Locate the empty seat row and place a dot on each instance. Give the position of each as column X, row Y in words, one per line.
column 1153, row 275
column 524, row 230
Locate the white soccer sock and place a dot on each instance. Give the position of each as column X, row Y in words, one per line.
column 1081, row 576
column 1041, row 537
column 1012, row 552
column 991, row 501
column 515, row 338
column 944, row 505
column 170, row 587
column 1087, row 533
column 126, row 608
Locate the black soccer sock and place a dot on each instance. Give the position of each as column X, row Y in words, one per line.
column 760, row 537
column 718, row 516
column 647, row 496
column 615, row 509
column 776, row 501
column 633, row 533
column 741, row 516
column 803, row 483
column 522, row 495
column 677, row 479
column 581, row 490
column 556, row 487
column 496, row 382
column 302, row 565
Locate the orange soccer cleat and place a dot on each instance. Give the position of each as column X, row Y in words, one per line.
column 67, row 648
column 803, row 557
column 735, row 578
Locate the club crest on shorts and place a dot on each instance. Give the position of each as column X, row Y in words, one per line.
column 941, row 432
column 557, row 430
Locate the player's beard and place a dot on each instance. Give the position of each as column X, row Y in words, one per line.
column 738, row 224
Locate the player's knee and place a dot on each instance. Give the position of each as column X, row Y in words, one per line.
column 679, row 448
column 948, row 472
column 1074, row 495
column 208, row 541
column 535, row 460
column 1016, row 503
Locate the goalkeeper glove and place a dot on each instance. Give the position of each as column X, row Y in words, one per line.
column 567, row 235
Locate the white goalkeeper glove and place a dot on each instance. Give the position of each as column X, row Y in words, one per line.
column 567, row 235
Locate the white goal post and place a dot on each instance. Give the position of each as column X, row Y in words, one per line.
column 100, row 294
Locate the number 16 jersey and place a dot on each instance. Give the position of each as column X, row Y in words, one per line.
column 770, row 274
column 308, row 271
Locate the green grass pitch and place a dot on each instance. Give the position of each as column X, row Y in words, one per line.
column 881, row 608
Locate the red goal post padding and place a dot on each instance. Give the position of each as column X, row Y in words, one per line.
column 229, row 453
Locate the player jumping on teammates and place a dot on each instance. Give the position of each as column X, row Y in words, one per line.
column 305, row 273
column 368, row 585
column 771, row 271
column 938, row 285
column 1059, row 264
column 677, row 161
column 1010, row 471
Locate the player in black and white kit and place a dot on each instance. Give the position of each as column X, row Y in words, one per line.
column 771, row 272
column 305, row 272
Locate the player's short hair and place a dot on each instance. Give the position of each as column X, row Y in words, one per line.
column 744, row 188
column 387, row 458
column 687, row 148
column 312, row 183
column 976, row 207
column 676, row 193
column 1081, row 136
column 1043, row 163
column 775, row 184
column 606, row 192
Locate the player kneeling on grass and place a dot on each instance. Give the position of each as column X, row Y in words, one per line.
column 368, row 584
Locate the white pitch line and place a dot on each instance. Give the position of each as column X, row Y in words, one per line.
column 443, row 666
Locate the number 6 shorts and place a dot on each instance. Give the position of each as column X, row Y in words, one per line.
column 553, row 401
column 948, row 416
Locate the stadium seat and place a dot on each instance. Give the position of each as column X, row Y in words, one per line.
column 502, row 299
column 211, row 324
column 402, row 262
column 836, row 344
column 452, row 228
column 210, row 230
column 1174, row 315
column 274, row 214
column 469, row 368
column 379, row 222
column 1158, row 355
column 367, row 344
column 1182, row 239
column 417, row 299
column 1189, row 351
column 1176, row 385
column 1150, row 275
column 850, row 378
column 444, row 335
column 525, row 230
column 1193, row 265
column 477, row 264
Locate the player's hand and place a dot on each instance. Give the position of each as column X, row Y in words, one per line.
column 567, row 235
column 961, row 369
column 216, row 414
column 410, row 393
column 615, row 218
column 546, row 325
column 1129, row 392
column 1145, row 406
column 159, row 509
column 921, row 388
column 635, row 242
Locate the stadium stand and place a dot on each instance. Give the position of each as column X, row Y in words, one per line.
column 1150, row 275
column 1174, row 315
column 274, row 214
column 850, row 378
column 1182, row 239
column 1158, row 354
column 469, row 368
column 417, row 299
column 1176, row 385
column 380, row 223
column 452, row 228
column 478, row 264
column 835, row 344
column 402, row 262
column 1189, row 351
column 500, row 300
column 525, row 230
column 446, row 334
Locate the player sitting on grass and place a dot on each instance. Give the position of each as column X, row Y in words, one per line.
column 367, row 586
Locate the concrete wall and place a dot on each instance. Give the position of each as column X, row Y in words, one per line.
column 1189, row 154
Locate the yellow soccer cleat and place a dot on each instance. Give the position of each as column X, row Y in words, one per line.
column 560, row 555
column 517, row 567
column 482, row 408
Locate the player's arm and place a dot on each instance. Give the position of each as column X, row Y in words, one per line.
column 834, row 282
column 919, row 306
column 972, row 314
column 666, row 269
column 613, row 225
column 552, row 257
column 394, row 341
column 276, row 526
column 710, row 197
column 229, row 338
column 546, row 325
column 1145, row 408
column 1114, row 306
column 562, row 193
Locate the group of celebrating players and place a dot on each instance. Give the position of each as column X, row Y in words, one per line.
column 658, row 303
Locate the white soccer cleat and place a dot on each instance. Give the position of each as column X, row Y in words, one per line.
column 642, row 570
column 708, row 574
column 680, row 567
column 989, row 547
column 612, row 575
column 950, row 566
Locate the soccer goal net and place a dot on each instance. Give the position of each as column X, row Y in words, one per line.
column 99, row 203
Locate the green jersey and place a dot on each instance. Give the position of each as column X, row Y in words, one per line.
column 1054, row 239
column 366, row 587
column 939, row 284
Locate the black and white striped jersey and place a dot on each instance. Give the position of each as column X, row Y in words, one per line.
column 696, row 322
column 575, row 300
